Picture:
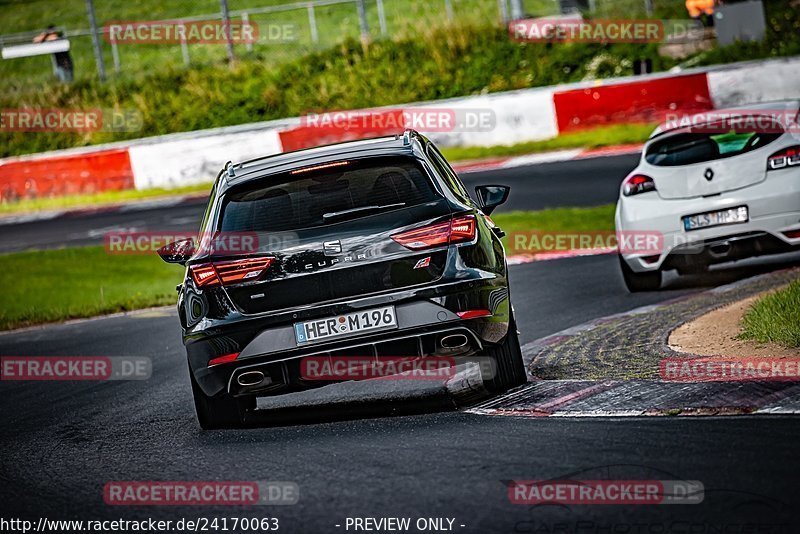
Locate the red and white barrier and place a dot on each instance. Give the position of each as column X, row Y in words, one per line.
column 518, row 116
column 60, row 175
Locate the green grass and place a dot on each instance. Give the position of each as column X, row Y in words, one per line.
column 31, row 205
column 775, row 318
column 425, row 59
column 619, row 134
column 566, row 220
column 54, row 285
column 335, row 23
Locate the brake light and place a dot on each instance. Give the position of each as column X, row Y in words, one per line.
column 204, row 275
column 229, row 272
column 788, row 157
column 636, row 184
column 456, row 230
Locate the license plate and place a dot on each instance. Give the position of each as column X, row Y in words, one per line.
column 342, row 325
column 716, row 218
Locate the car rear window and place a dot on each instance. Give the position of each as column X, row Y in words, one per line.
column 301, row 200
column 696, row 147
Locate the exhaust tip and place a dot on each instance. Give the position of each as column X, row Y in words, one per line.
column 454, row 341
column 250, row 378
column 720, row 250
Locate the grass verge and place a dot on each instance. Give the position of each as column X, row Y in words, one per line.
column 31, row 205
column 775, row 318
column 618, row 134
column 55, row 285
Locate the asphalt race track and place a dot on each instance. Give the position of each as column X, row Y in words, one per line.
column 61, row 442
column 587, row 182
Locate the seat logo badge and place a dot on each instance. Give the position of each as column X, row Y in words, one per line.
column 424, row 262
column 332, row 248
column 709, row 174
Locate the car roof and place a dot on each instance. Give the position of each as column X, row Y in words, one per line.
column 396, row 145
column 786, row 106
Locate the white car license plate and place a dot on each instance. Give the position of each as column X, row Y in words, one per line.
column 716, row 218
column 349, row 323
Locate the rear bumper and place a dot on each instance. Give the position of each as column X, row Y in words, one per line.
column 725, row 249
column 774, row 208
column 424, row 316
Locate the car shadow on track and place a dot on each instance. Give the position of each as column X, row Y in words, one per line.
column 729, row 273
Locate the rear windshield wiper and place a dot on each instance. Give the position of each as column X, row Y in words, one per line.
column 346, row 213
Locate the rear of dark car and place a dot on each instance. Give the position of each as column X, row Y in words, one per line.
column 367, row 249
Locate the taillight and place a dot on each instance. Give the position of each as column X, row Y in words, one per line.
column 788, row 157
column 204, row 275
column 229, row 272
column 636, row 184
column 456, row 230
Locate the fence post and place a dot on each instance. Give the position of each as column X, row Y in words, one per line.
column 362, row 20
column 115, row 55
column 448, row 8
column 503, row 10
column 381, row 17
column 648, row 7
column 592, row 6
column 517, row 12
column 312, row 23
column 226, row 20
column 245, row 23
column 98, row 53
column 184, row 45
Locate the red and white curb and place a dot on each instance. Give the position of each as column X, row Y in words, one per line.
column 519, row 259
column 636, row 398
column 545, row 157
column 643, row 398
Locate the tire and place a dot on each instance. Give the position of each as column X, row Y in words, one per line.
column 636, row 282
column 509, row 368
column 218, row 412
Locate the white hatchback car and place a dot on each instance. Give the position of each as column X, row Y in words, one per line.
column 715, row 190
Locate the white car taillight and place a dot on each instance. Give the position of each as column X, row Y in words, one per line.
column 788, row 157
column 636, row 184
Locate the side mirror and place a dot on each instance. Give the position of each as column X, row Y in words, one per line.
column 178, row 251
column 491, row 196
